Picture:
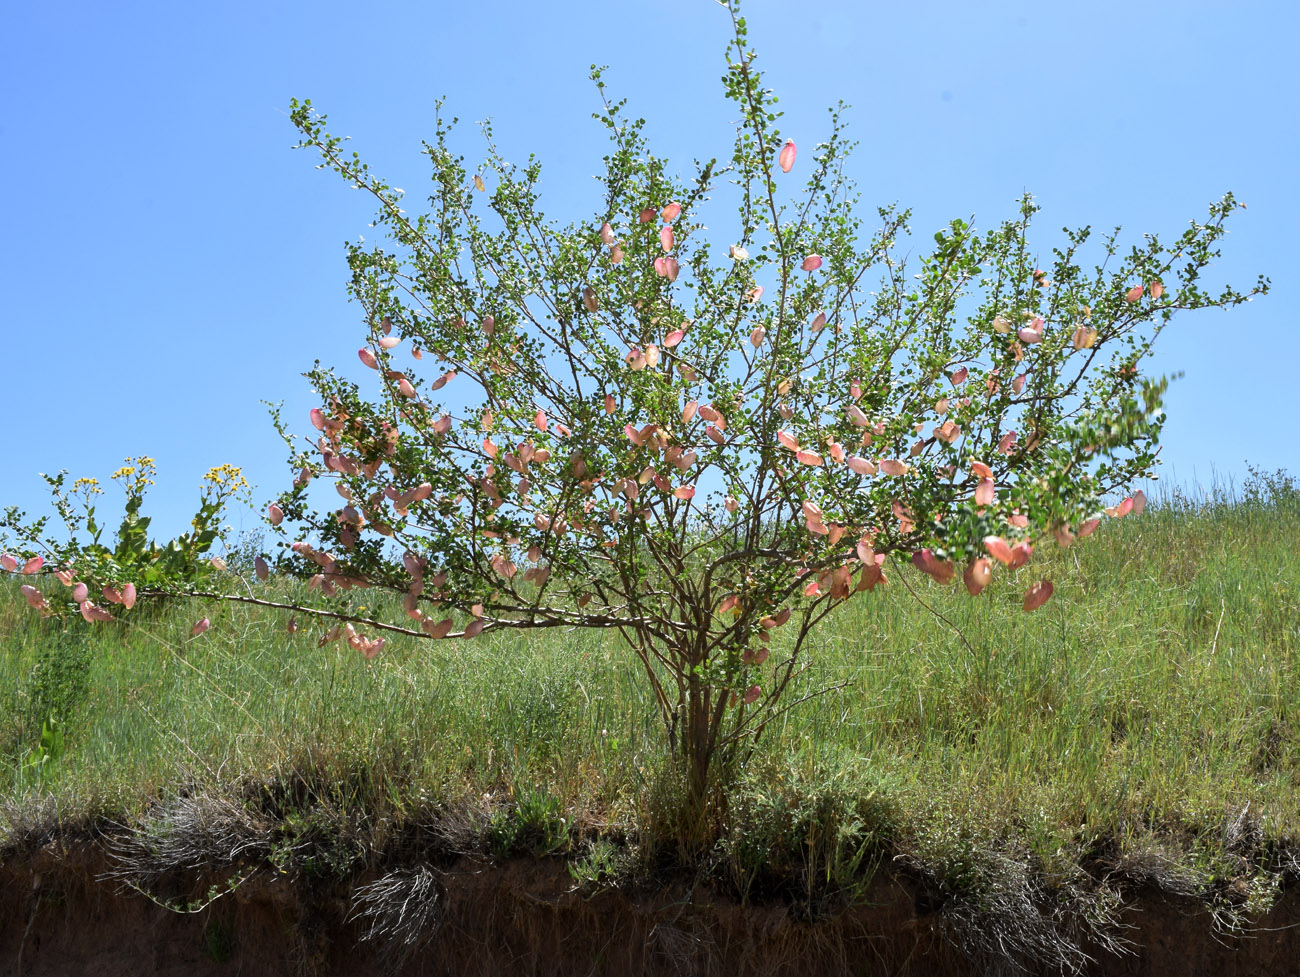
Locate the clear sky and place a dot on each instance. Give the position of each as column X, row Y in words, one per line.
column 169, row 262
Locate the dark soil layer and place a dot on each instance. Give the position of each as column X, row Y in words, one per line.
column 58, row 916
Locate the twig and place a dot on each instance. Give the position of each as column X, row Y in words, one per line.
column 758, row 729
column 903, row 577
column 1223, row 608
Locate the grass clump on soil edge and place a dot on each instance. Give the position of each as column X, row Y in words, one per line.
column 1139, row 731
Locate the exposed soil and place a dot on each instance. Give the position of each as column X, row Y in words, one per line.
column 58, row 916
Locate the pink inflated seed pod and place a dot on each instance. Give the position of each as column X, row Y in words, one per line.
column 1020, row 554
column 1121, row 510
column 976, row 576
column 667, row 267
column 439, row 630
column 368, row 358
column 1084, row 337
column 998, row 548
column 786, row 159
column 1038, row 595
column 811, row 263
column 93, row 614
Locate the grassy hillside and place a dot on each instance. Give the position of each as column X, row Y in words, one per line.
column 1143, row 726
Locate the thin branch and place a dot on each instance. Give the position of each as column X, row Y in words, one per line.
column 945, row 620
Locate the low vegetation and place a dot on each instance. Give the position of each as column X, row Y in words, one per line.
column 1028, row 770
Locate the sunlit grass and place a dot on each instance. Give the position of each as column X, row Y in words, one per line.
column 1146, row 705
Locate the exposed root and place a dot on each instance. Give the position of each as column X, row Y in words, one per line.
column 402, row 912
column 189, row 836
column 1011, row 924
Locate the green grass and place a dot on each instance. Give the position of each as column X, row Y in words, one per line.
column 1144, row 722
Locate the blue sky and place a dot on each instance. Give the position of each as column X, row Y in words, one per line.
column 170, row 262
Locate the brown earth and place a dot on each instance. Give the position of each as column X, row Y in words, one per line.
column 58, row 916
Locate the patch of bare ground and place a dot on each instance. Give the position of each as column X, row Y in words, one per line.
column 62, row 912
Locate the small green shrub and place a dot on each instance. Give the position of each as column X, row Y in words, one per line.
column 536, row 824
column 60, row 679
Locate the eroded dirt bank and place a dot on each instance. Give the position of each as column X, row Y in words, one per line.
column 60, row 916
